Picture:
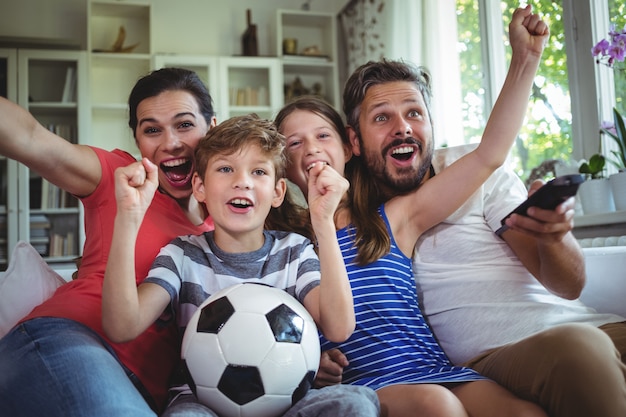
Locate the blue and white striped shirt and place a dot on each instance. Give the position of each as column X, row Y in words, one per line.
column 392, row 343
column 192, row 268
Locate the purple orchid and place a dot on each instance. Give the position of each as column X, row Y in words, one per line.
column 608, row 52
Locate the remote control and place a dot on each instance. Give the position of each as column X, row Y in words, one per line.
column 549, row 196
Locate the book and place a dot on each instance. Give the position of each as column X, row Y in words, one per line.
column 70, row 86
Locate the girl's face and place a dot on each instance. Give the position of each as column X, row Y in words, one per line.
column 168, row 130
column 239, row 190
column 311, row 138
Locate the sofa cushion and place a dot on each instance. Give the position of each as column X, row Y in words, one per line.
column 26, row 283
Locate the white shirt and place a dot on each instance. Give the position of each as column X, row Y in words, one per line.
column 475, row 292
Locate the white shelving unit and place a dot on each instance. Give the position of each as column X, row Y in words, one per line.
column 112, row 73
column 8, row 168
column 249, row 85
column 52, row 86
column 310, row 29
column 205, row 66
column 238, row 85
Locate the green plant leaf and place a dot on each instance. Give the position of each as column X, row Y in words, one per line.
column 620, row 138
column 594, row 167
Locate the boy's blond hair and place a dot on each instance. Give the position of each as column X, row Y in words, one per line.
column 237, row 132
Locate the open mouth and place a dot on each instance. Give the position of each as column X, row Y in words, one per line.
column 177, row 171
column 240, row 203
column 312, row 164
column 403, row 153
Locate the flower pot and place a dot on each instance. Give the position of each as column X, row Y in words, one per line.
column 618, row 188
column 596, row 196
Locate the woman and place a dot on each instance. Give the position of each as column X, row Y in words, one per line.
column 58, row 360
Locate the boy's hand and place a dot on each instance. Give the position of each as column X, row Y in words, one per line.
column 135, row 186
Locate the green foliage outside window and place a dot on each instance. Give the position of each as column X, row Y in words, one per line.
column 617, row 13
column 547, row 132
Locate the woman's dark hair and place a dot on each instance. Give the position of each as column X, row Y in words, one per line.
column 169, row 79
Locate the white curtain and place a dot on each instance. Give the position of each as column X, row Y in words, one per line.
column 420, row 31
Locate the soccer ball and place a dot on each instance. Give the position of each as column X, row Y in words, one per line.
column 251, row 350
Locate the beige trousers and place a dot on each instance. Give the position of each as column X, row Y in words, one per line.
column 572, row 370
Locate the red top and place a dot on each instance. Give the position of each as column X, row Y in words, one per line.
column 153, row 355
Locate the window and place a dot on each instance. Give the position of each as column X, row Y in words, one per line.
column 570, row 94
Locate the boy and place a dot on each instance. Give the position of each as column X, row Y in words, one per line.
column 239, row 177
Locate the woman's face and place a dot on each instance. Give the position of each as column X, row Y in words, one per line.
column 311, row 138
column 168, row 130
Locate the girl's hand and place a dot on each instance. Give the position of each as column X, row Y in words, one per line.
column 326, row 189
column 331, row 367
column 135, row 186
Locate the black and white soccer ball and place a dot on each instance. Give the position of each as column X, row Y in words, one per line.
column 251, row 350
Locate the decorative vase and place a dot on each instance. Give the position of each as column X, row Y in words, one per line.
column 618, row 188
column 596, row 196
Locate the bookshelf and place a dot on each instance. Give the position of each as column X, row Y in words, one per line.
column 51, row 85
column 313, row 63
column 238, row 85
column 8, row 168
column 113, row 71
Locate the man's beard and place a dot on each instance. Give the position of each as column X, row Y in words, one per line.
column 406, row 179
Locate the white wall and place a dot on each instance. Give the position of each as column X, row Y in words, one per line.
column 179, row 26
column 54, row 19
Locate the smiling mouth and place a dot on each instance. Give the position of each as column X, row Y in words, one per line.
column 405, row 150
column 311, row 165
column 178, row 171
column 403, row 153
column 240, row 203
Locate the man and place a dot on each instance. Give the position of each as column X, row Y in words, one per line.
column 500, row 305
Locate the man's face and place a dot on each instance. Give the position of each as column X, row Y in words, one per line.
column 396, row 140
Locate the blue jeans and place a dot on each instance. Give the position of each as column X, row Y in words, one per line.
column 332, row 401
column 60, row 368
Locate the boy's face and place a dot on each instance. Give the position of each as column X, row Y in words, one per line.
column 396, row 140
column 239, row 190
column 311, row 138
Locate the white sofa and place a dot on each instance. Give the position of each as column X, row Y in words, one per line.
column 29, row 281
column 606, row 279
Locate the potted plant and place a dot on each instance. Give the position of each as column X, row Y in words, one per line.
column 595, row 193
column 612, row 52
column 594, row 168
column 617, row 131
